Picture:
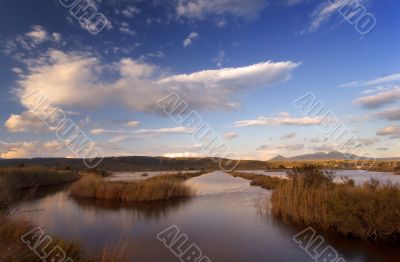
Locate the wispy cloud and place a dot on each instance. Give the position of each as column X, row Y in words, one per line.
column 280, row 121
column 327, row 9
column 325, row 148
column 125, row 29
column 374, row 82
column 133, row 123
column 199, row 9
column 190, row 39
column 289, row 147
column 391, row 114
column 393, row 130
column 380, row 99
column 161, row 131
column 288, row 136
column 230, row 135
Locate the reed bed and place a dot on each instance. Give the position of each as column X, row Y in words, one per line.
column 266, row 182
column 31, row 177
column 371, row 211
column 14, row 180
column 152, row 190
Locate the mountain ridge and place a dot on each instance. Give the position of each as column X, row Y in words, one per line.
column 333, row 155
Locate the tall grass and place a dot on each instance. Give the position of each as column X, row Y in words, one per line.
column 371, row 211
column 151, row 190
column 266, row 182
column 14, row 180
column 31, row 177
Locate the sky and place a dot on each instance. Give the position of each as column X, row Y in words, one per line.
column 239, row 64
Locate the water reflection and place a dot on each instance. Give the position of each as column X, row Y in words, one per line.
column 155, row 211
column 228, row 219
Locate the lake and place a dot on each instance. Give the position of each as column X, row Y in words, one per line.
column 228, row 219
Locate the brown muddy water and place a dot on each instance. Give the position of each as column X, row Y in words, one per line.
column 228, row 220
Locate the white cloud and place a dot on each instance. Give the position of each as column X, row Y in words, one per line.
column 389, row 130
column 161, row 131
column 29, row 149
column 38, row 35
column 17, row 70
column 374, row 82
column 27, row 121
column 183, row 155
column 189, row 40
column 133, row 123
column 199, row 9
column 130, row 12
column 57, row 37
column 53, row 145
column 280, row 121
column 230, row 135
column 17, row 149
column 380, row 99
column 125, row 28
column 75, row 80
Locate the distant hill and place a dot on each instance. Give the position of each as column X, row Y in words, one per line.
column 144, row 163
column 133, row 163
column 334, row 155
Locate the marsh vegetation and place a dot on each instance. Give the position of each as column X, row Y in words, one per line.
column 160, row 188
column 369, row 212
column 266, row 182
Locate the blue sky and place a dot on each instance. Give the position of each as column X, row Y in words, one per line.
column 239, row 64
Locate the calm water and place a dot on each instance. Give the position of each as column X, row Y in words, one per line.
column 228, row 220
column 139, row 176
column 359, row 176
